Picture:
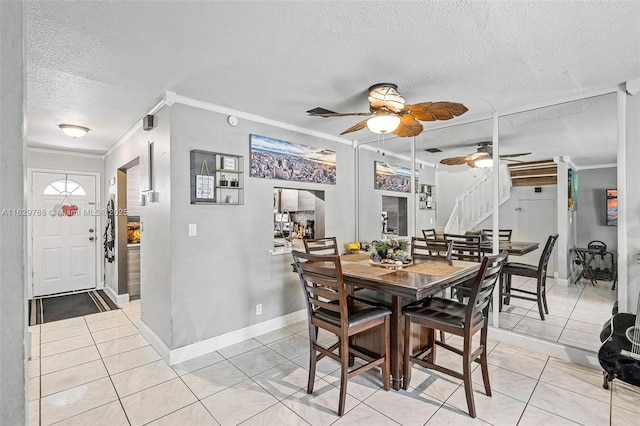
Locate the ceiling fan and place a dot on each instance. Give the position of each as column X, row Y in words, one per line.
column 391, row 115
column 481, row 158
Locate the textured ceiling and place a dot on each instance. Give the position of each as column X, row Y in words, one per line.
column 105, row 64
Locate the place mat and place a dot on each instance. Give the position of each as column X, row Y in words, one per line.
column 435, row 269
column 365, row 270
column 354, row 257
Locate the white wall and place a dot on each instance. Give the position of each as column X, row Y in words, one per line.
column 13, row 291
column 59, row 160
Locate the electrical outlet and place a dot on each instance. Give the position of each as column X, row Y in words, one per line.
column 259, row 309
column 193, row 230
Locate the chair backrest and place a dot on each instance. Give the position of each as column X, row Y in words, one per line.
column 466, row 247
column 482, row 287
column 546, row 255
column 326, row 245
column 429, row 233
column 428, row 248
column 322, row 283
column 503, row 234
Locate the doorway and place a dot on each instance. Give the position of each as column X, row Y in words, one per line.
column 128, row 225
column 63, row 228
column 394, row 216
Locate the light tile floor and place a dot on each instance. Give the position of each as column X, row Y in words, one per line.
column 94, row 371
column 577, row 312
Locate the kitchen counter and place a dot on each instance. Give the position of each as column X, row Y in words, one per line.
column 283, row 246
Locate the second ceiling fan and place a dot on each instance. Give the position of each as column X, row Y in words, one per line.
column 481, row 158
column 391, row 115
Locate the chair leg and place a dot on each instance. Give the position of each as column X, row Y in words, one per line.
column 386, row 367
column 431, row 341
column 539, row 297
column 507, row 298
column 483, row 358
column 544, row 295
column 466, row 373
column 441, row 336
column 407, row 364
column 501, row 292
column 313, row 331
column 344, row 370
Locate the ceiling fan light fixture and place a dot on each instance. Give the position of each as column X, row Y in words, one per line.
column 383, row 123
column 484, row 162
column 73, row 130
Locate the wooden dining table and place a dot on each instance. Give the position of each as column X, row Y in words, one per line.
column 516, row 248
column 418, row 281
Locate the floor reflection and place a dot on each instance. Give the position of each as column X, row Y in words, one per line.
column 577, row 312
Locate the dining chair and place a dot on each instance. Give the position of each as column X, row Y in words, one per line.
column 466, row 247
column 429, row 233
column 461, row 319
column 503, row 234
column 331, row 308
column 427, row 248
column 326, row 245
column 532, row 271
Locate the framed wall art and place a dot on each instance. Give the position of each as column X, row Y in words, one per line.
column 393, row 178
column 277, row 159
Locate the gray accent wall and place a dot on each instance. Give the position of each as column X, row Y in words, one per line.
column 219, row 275
column 592, row 207
column 13, row 291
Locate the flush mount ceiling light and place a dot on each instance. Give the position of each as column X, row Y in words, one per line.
column 73, row 130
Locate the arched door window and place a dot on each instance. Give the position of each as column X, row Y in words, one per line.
column 64, row 187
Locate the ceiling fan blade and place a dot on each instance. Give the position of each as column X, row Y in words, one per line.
column 361, row 125
column 408, row 126
column 453, row 161
column 432, row 111
column 515, row 155
column 321, row 112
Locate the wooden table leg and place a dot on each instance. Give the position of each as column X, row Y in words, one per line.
column 396, row 342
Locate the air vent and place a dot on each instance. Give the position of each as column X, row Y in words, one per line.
column 433, row 150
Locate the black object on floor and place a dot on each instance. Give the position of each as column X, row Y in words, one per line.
column 57, row 308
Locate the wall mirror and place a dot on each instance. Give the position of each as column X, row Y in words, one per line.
column 583, row 134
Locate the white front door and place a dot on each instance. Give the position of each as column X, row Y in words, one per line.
column 64, row 233
column 536, row 222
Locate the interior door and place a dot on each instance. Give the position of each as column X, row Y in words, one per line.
column 536, row 222
column 64, row 233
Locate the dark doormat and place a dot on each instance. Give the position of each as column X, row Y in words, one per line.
column 49, row 309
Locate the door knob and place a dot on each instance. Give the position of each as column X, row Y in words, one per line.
column 90, row 229
column 91, row 238
column 519, row 209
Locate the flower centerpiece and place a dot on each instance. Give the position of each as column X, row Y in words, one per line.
column 389, row 251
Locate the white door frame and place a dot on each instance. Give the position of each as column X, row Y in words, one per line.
column 99, row 224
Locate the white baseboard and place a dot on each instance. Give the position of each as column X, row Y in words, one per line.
column 155, row 341
column 554, row 349
column 194, row 350
column 119, row 299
